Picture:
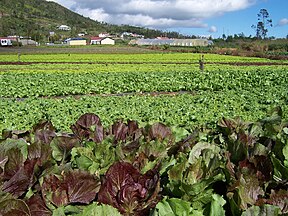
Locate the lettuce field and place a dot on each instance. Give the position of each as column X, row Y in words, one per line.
column 143, row 134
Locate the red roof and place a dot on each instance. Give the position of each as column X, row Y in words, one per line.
column 8, row 38
column 96, row 38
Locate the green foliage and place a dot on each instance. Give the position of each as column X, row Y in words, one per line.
column 196, row 176
column 100, row 210
column 245, row 91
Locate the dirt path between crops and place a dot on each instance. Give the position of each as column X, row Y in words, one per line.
column 163, row 63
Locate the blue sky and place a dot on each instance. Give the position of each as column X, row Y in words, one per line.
column 189, row 17
column 241, row 21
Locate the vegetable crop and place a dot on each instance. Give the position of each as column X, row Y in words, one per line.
column 43, row 81
column 236, row 168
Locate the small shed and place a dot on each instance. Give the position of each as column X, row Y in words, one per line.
column 76, row 41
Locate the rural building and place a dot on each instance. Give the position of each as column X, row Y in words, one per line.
column 95, row 40
column 104, row 34
column 108, row 41
column 131, row 35
column 102, row 41
column 28, row 42
column 172, row 42
column 76, row 41
column 5, row 41
column 64, row 28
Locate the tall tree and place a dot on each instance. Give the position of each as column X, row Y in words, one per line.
column 263, row 23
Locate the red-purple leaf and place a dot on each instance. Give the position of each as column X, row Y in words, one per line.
column 44, row 132
column 126, row 189
column 119, row 130
column 43, row 125
column 11, row 207
column 132, row 127
column 37, row 206
column 65, row 143
column 248, row 190
column 87, row 120
column 22, row 180
column 40, row 151
column 89, row 127
column 159, row 131
column 54, row 191
column 44, row 136
column 14, row 163
column 82, row 187
column 71, row 187
column 15, row 134
column 277, row 198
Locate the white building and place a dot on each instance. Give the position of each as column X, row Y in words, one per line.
column 131, row 35
column 172, row 42
column 101, row 41
column 108, row 41
column 28, row 42
column 75, row 41
column 104, row 34
column 64, row 28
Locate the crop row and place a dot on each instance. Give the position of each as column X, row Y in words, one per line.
column 184, row 110
column 159, row 57
column 113, row 79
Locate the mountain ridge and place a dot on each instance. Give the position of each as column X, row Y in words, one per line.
column 37, row 18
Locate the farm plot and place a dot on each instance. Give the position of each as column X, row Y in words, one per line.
column 128, row 58
column 183, row 110
column 63, row 80
column 31, row 92
column 199, row 162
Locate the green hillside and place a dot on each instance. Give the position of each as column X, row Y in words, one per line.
column 36, row 18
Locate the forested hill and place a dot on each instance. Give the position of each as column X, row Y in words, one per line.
column 36, row 18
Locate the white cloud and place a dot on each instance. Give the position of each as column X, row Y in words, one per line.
column 283, row 22
column 212, row 29
column 155, row 13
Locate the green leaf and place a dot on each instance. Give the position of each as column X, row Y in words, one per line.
column 62, row 147
column 285, row 153
column 100, row 210
column 20, row 144
column 266, row 210
column 280, row 171
column 95, row 159
column 285, row 130
column 59, row 211
column 175, row 207
column 216, row 206
column 179, row 133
